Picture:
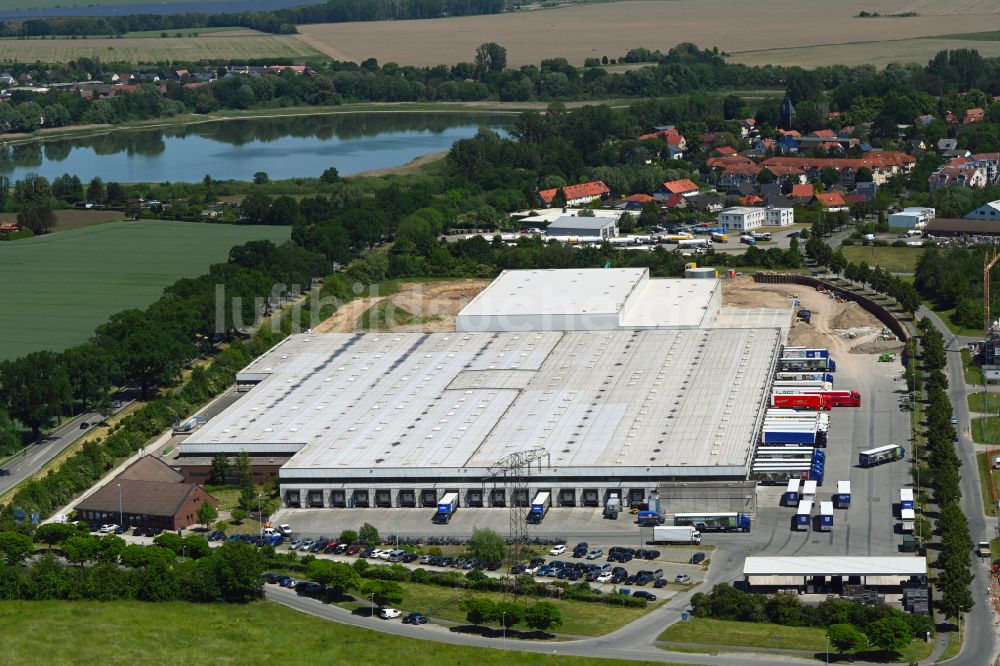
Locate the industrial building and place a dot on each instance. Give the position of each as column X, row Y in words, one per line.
column 832, row 574
column 911, row 218
column 401, row 419
column 625, row 381
column 595, row 228
column 591, row 299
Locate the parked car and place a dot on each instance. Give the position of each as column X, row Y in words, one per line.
column 651, row 555
column 410, row 557
column 643, row 594
column 662, row 582
column 698, row 558
column 341, row 548
column 309, row 588
column 605, row 577
column 682, row 578
column 415, row 618
column 558, row 550
column 389, row 613
column 595, row 553
column 353, row 550
column 110, row 528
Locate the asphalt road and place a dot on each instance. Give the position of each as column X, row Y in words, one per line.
column 980, row 646
column 36, row 455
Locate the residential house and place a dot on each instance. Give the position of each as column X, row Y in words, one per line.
column 925, row 120
column 725, row 151
column 917, row 147
column 710, row 202
column 947, row 144
column 990, row 162
column 747, row 126
column 123, row 77
column 965, row 175
column 684, row 187
column 855, row 199
column 735, row 170
column 787, row 174
column 676, row 201
column 824, row 134
column 868, row 189
column 676, row 144
column 974, row 115
column 831, row 201
column 636, row 201
column 577, row 195
column 801, row 193
column 7, row 79
column 770, row 189
column 988, row 211
column 883, row 164
column 775, row 201
column 750, row 200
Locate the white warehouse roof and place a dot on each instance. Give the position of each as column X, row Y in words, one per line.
column 682, row 402
column 835, row 566
column 590, row 299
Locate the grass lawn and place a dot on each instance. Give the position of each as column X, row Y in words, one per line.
column 973, row 374
column 892, row 259
column 985, row 479
column 753, row 634
column 945, row 316
column 986, row 430
column 260, row 633
column 988, row 403
column 579, row 617
column 386, row 314
column 61, row 286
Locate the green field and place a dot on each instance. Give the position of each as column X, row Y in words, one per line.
column 261, row 633
column 973, row 374
column 986, row 430
column 58, row 288
column 892, row 259
column 985, row 481
column 722, row 633
column 988, row 403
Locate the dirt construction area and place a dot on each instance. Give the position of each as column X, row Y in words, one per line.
column 844, row 328
column 428, row 307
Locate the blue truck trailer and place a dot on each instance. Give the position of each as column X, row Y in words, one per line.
column 447, row 506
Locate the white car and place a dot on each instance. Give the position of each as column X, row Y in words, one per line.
column 382, row 554
column 604, row 577
column 531, row 571
column 558, row 550
column 108, row 529
column 389, row 613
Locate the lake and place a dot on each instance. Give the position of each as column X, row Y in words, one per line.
column 298, row 146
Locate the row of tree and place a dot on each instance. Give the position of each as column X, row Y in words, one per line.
column 107, row 568
column 875, row 277
column 942, row 468
column 878, row 626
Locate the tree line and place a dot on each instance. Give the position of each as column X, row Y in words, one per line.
column 109, row 569
column 851, row 625
column 941, row 474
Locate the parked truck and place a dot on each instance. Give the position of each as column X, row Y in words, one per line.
column 825, row 516
column 802, row 401
column 715, row 522
column 649, row 518
column 676, row 534
column 803, row 515
column 539, row 507
column 692, row 243
column 612, row 507
column 804, row 376
column 447, row 506
column 792, row 492
column 802, row 383
column 805, row 352
column 843, row 496
column 881, row 454
column 797, row 364
column 788, row 435
column 842, row 398
column 906, row 498
column 908, row 518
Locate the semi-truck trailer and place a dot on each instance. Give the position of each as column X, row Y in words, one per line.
column 802, row 401
column 792, row 492
column 447, row 506
column 881, row 454
column 788, row 435
column 906, row 498
column 539, row 507
column 805, row 352
column 807, row 364
column 907, row 519
column 825, row 516
column 802, row 383
column 809, row 490
column 715, row 522
column 676, row 534
column 803, row 515
column 690, row 243
column 843, row 496
column 837, row 398
column 613, row 506
column 804, row 376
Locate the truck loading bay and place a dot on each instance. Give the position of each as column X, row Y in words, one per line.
column 869, row 527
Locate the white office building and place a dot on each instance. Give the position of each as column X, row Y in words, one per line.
column 742, row 218
column 779, row 217
column 912, row 218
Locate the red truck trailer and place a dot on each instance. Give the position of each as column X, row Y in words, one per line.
column 812, row 401
column 838, row 398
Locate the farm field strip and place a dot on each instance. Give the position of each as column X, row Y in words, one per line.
column 58, row 288
column 611, row 29
column 879, row 54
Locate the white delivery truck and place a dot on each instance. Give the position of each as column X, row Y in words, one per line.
column 676, row 534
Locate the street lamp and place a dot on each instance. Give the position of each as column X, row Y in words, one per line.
column 121, row 512
column 260, row 521
column 503, row 624
column 373, row 604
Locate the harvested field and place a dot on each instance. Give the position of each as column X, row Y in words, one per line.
column 879, row 54
column 611, row 29
column 223, row 45
column 417, row 306
column 69, row 219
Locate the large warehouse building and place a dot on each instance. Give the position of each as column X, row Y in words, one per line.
column 400, row 419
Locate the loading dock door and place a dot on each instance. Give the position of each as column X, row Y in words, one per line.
column 591, row 497
column 521, row 497
column 338, row 498
column 498, row 497
column 292, row 499
column 474, row 498
column 407, row 498
column 567, row 497
column 383, row 498
column 428, row 498
column 315, row 498
column 361, row 498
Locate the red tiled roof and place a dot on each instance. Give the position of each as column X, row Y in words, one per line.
column 750, row 200
column 675, row 140
column 594, row 188
column 873, row 159
column 733, row 160
column 825, row 134
column 680, row 186
column 831, row 199
column 855, row 198
column 784, row 171
column 974, row 115
column 674, row 201
column 661, row 134
column 802, row 191
column 741, row 169
column 725, row 151
column 640, row 198
column 790, row 133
